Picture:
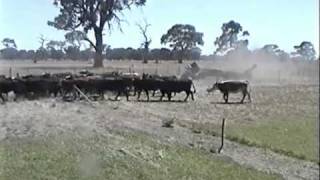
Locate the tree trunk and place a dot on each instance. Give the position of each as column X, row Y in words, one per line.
column 98, row 58
column 181, row 55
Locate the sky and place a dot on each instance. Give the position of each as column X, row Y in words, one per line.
column 282, row 22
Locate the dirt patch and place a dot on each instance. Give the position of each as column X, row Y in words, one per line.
column 43, row 117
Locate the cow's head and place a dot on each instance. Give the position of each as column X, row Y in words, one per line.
column 213, row 88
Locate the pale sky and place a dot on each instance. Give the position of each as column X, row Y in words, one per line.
column 283, row 22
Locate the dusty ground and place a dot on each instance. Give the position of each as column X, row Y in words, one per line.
column 53, row 116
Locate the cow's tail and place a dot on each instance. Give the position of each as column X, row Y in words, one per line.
column 194, row 88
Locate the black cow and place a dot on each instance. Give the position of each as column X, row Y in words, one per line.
column 97, row 85
column 231, row 86
column 41, row 86
column 167, row 87
column 15, row 85
column 146, row 85
column 118, row 85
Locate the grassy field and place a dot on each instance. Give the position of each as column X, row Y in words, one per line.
column 120, row 156
column 292, row 131
column 283, row 118
column 296, row 139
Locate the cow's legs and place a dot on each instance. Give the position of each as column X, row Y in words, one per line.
column 192, row 96
column 169, row 96
column 101, row 94
column 118, row 94
column 153, row 93
column 162, row 94
column 139, row 93
column 244, row 96
column 249, row 97
column 188, row 93
column 225, row 97
column 2, row 98
column 147, row 93
column 127, row 94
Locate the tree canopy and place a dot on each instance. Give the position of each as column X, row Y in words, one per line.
column 9, row 43
column 229, row 39
column 91, row 15
column 305, row 50
column 182, row 38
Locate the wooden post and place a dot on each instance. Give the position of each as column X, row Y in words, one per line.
column 222, row 135
column 279, row 77
column 10, row 72
column 82, row 94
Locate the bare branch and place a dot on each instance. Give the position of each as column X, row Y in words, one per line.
column 90, row 42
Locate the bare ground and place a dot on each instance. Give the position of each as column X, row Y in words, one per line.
column 271, row 98
column 52, row 116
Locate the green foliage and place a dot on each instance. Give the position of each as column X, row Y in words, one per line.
column 9, row 43
column 228, row 40
column 122, row 156
column 289, row 137
column 91, row 15
column 305, row 50
column 75, row 37
column 182, row 38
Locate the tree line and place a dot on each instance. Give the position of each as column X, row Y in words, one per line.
column 78, row 17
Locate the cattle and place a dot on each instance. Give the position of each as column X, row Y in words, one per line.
column 161, row 78
column 41, row 86
column 145, row 84
column 167, row 87
column 11, row 85
column 6, row 86
column 96, row 84
column 231, row 86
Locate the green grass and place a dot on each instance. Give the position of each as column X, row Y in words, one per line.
column 122, row 156
column 296, row 138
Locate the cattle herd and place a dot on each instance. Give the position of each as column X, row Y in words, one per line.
column 71, row 86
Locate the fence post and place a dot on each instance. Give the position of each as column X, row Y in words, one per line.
column 279, row 77
column 222, row 135
column 10, row 72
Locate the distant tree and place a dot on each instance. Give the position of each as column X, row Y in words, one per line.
column 228, row 40
column 72, row 52
column 22, row 54
column 91, row 15
column 75, row 38
column 9, row 43
column 147, row 40
column 9, row 53
column 165, row 54
column 274, row 51
column 55, row 49
column 42, row 41
column 86, row 54
column 195, row 53
column 41, row 52
column 57, row 45
column 182, row 38
column 305, row 50
column 31, row 54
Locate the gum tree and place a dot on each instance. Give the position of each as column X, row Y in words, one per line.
column 182, row 38
column 91, row 15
